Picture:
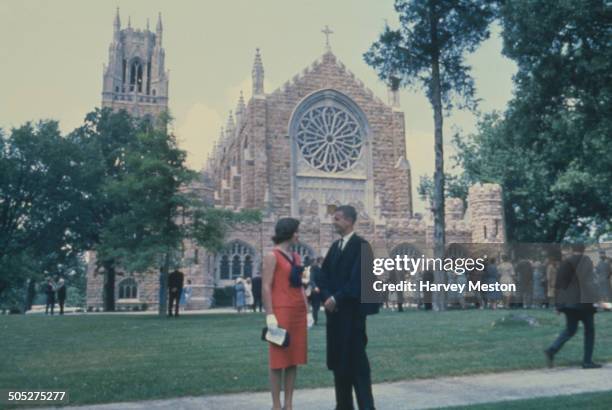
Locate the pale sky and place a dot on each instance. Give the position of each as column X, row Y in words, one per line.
column 51, row 56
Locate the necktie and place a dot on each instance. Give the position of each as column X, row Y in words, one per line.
column 340, row 245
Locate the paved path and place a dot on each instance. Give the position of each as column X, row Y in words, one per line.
column 405, row 395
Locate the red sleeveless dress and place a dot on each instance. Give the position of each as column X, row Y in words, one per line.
column 290, row 308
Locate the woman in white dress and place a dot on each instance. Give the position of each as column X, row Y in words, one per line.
column 248, row 294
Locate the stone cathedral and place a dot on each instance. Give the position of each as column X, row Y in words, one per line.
column 320, row 140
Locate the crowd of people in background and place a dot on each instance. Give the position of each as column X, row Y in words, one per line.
column 248, row 293
column 535, row 281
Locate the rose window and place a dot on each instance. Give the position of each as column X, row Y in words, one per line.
column 329, row 138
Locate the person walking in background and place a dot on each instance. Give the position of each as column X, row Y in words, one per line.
column 60, row 287
column 256, row 285
column 175, row 288
column 50, row 293
column 603, row 274
column 554, row 260
column 186, row 295
column 507, row 277
column 525, row 274
column 315, row 293
column 428, row 277
column 397, row 277
column 575, row 294
column 462, row 280
column 239, row 294
column 249, row 301
column 491, row 277
column 539, row 283
column 286, row 307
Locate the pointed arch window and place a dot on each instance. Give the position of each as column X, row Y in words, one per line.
column 136, row 76
column 236, row 259
column 128, row 289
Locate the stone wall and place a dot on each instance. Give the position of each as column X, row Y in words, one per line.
column 487, row 213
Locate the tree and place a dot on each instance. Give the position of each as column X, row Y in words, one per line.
column 162, row 212
column 551, row 149
column 427, row 51
column 455, row 186
column 41, row 197
column 106, row 138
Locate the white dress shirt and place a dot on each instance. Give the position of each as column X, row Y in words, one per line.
column 345, row 239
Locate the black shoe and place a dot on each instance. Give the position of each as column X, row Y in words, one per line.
column 550, row 358
column 591, row 365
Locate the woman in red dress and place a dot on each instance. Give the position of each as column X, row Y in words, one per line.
column 286, row 308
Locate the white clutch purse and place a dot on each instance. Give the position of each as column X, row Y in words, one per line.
column 278, row 336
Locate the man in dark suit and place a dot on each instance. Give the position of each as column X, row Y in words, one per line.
column 525, row 273
column 175, row 287
column 575, row 293
column 256, row 289
column 315, row 294
column 340, row 285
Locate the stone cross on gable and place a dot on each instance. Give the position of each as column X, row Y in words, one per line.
column 327, row 32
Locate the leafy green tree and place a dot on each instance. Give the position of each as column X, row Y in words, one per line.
column 160, row 211
column 551, row 149
column 41, row 197
column 427, row 51
column 147, row 232
column 455, row 186
column 106, row 139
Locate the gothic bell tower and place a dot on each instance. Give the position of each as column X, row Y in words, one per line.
column 135, row 78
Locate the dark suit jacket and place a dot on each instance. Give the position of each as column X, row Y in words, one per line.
column 575, row 285
column 341, row 277
column 256, row 287
column 175, row 280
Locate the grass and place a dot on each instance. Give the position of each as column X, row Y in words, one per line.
column 591, row 401
column 108, row 358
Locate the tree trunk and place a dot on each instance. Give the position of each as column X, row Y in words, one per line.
column 438, row 197
column 30, row 294
column 109, row 287
column 163, row 286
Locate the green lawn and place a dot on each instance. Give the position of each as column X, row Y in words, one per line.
column 106, row 358
column 591, row 401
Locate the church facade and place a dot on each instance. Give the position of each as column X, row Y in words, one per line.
column 321, row 140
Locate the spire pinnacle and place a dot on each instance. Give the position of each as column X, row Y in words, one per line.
column 241, row 106
column 257, row 74
column 117, row 23
column 158, row 30
column 229, row 127
column 129, row 21
column 159, row 22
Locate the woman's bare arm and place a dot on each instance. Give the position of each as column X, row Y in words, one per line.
column 267, row 276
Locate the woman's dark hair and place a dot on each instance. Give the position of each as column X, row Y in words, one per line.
column 284, row 229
